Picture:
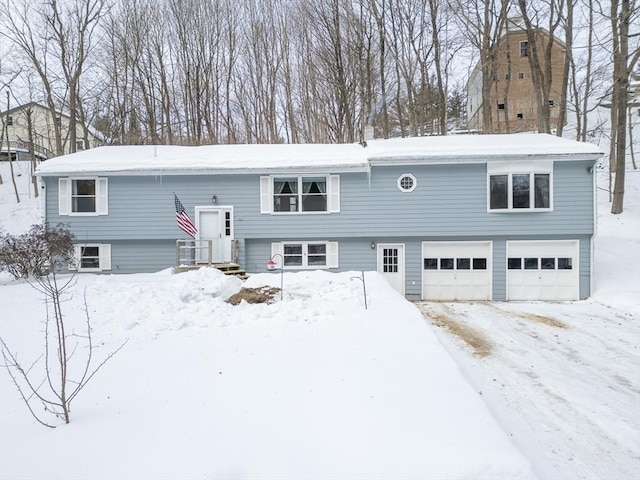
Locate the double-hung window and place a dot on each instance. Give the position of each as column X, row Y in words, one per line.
column 300, row 194
column 513, row 187
column 300, row 255
column 92, row 257
column 83, row 196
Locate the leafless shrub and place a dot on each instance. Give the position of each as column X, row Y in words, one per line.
column 35, row 257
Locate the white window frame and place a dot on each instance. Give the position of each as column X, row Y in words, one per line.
column 80, row 144
column 104, row 257
column 65, row 189
column 413, row 185
column 525, row 50
column 512, row 168
column 277, row 254
column 267, row 194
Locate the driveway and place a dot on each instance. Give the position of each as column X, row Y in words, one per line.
column 562, row 378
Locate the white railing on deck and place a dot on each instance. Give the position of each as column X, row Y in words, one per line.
column 191, row 252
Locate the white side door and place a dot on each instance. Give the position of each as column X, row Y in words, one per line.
column 391, row 264
column 216, row 224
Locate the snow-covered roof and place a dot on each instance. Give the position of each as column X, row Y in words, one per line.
column 178, row 160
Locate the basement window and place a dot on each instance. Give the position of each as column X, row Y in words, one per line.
column 92, row 257
column 520, row 75
column 501, row 106
column 520, row 116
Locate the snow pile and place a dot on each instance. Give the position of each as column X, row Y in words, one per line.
column 617, row 246
column 17, row 217
column 313, row 386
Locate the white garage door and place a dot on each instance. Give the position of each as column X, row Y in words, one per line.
column 543, row 270
column 456, row 270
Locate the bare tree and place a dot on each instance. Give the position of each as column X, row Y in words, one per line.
column 622, row 13
column 482, row 22
column 5, row 130
column 541, row 48
column 35, row 256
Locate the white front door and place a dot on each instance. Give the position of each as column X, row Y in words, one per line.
column 215, row 224
column 391, row 264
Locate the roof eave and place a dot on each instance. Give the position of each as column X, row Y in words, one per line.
column 323, row 169
column 457, row 159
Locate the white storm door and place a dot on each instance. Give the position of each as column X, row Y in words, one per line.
column 391, row 264
column 215, row 224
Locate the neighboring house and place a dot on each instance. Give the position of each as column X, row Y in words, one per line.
column 42, row 140
column 502, row 217
column 512, row 99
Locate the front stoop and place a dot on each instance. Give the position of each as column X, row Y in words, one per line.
column 226, row 268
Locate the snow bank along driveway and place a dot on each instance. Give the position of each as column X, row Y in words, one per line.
column 311, row 387
column 567, row 372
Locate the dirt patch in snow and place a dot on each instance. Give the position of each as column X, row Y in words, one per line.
column 552, row 322
column 474, row 338
column 253, row 295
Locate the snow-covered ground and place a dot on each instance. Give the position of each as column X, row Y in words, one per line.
column 316, row 386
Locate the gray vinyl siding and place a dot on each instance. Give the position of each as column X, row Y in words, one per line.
column 448, row 204
column 450, row 200
column 357, row 254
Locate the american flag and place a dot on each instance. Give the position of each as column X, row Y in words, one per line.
column 184, row 221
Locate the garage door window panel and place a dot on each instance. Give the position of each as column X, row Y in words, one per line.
column 446, row 264
column 479, row 263
column 514, row 264
column 463, row 264
column 531, row 264
column 430, row 263
column 547, row 263
column 565, row 264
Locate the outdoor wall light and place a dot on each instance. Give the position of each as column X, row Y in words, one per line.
column 373, row 245
column 590, row 169
column 214, row 199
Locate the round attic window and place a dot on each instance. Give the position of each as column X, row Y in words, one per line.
column 407, row 182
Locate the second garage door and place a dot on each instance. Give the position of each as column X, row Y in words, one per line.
column 542, row 270
column 456, row 270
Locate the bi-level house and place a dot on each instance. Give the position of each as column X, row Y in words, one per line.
column 502, row 217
